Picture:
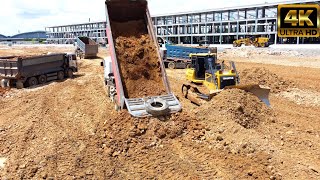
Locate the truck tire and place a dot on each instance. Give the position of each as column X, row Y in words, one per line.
column 4, row 83
column 157, row 107
column 70, row 73
column 172, row 65
column 188, row 66
column 42, row 79
column 33, row 81
column 19, row 85
column 60, row 75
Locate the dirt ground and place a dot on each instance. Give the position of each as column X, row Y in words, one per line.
column 69, row 130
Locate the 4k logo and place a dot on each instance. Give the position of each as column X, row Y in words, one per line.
column 298, row 20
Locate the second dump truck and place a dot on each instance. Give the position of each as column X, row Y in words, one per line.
column 33, row 70
column 86, row 48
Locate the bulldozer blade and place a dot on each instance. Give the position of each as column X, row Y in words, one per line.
column 261, row 92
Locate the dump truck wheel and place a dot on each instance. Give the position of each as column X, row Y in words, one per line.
column 19, row 85
column 4, row 83
column 263, row 45
column 60, row 75
column 235, row 45
column 32, row 81
column 42, row 79
column 188, row 66
column 70, row 73
column 171, row 65
column 157, row 107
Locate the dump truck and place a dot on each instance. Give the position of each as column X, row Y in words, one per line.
column 123, row 13
column 177, row 57
column 33, row 70
column 86, row 48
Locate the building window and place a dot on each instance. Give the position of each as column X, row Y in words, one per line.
column 217, row 16
column 271, row 12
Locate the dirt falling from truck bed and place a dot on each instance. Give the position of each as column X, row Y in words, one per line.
column 138, row 61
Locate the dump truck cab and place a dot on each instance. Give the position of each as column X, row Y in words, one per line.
column 207, row 71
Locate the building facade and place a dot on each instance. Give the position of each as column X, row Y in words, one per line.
column 68, row 33
column 223, row 26
column 216, row 26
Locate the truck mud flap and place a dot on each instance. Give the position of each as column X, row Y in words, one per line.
column 141, row 107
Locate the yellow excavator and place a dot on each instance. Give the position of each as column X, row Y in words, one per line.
column 206, row 78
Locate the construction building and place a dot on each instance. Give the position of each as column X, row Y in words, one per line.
column 68, row 33
column 215, row 26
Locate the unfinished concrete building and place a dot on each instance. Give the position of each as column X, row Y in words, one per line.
column 66, row 34
column 224, row 25
column 215, row 26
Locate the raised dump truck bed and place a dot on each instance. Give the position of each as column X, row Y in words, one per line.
column 33, row 70
column 137, row 79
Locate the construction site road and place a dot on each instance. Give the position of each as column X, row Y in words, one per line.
column 69, row 130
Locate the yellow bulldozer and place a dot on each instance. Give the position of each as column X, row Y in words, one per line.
column 206, row 78
column 257, row 42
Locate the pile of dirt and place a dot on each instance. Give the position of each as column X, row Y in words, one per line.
column 20, row 50
column 122, row 134
column 138, row 62
column 238, row 105
column 263, row 76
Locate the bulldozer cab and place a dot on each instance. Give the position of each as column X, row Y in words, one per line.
column 200, row 64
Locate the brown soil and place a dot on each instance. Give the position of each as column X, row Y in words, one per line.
column 243, row 107
column 56, row 131
column 264, row 77
column 3, row 91
column 138, row 61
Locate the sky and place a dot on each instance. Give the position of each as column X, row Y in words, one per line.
column 18, row 16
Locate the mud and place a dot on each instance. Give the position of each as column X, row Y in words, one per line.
column 262, row 76
column 138, row 62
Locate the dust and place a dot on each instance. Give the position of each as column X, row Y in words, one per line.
column 238, row 105
column 138, row 61
column 263, row 76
